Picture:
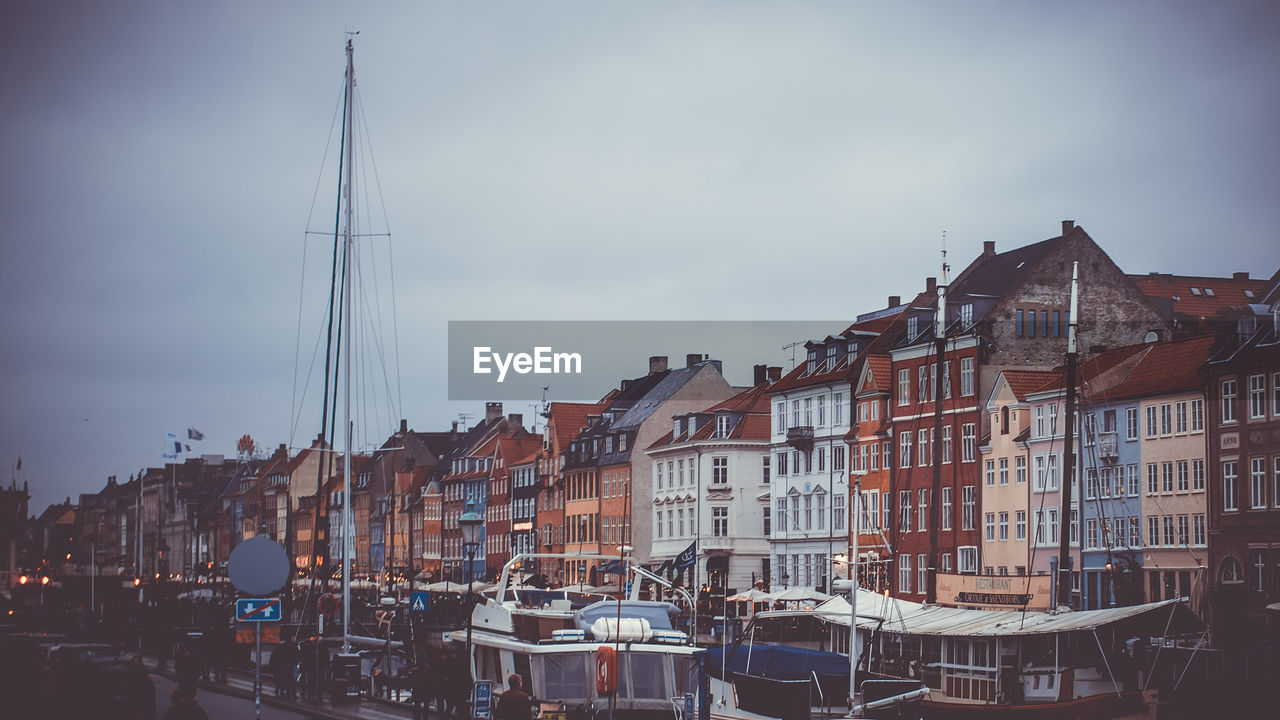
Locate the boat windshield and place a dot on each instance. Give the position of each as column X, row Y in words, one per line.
column 657, row 613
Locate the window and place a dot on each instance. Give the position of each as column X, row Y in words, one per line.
column 1184, row 530
column 1021, row 468
column 764, row 469
column 1153, row 479
column 1197, row 415
column 1231, row 573
column 922, row 572
column 904, row 573
column 946, row 444
column 1018, row 329
column 1004, row 471
column 1180, row 417
column 1166, row 473
column 719, row 470
column 1131, row 423
column 923, row 389
column 837, row 409
column 875, row 456
column 923, row 459
column 1275, row 481
column 1039, row 421
column 968, row 436
column 780, row 417
column 795, row 413
column 680, row 522
column 808, row 411
column 946, row 507
column 904, row 387
column 1257, row 483
column 1020, row 527
column 795, row 510
column 808, row 512
column 1257, row 396
column 922, row 513
column 1168, row 530
column 782, row 514
column 1228, row 397
column 966, row 315
column 1229, row 500
column 991, row 473
column 904, row 510
column 1153, row 531
column 1183, row 482
column 904, row 443
column 838, row 513
column 658, row 468
column 968, row 558
column 1151, row 421
column 1053, row 418
column 1131, row 473
column 1199, row 537
column 1091, row 533
column 821, row 498
column 782, row 464
column 966, row 377
column 968, row 506
column 837, row 458
column 768, row 521
column 822, row 407
column 720, row 522
column 1004, row 525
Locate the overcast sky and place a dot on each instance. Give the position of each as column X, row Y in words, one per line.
column 585, row 160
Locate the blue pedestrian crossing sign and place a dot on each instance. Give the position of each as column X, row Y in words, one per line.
column 420, row 602
column 258, row 610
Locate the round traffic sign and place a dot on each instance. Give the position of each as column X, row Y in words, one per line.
column 258, row 566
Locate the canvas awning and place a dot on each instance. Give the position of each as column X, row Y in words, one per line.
column 909, row 618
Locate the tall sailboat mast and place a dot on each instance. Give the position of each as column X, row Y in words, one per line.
column 348, row 528
column 935, row 491
column 1068, row 450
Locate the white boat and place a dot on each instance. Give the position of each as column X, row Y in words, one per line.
column 973, row 663
column 622, row 658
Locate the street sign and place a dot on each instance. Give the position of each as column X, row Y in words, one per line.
column 258, row 566
column 270, row 635
column 482, row 694
column 258, row 610
column 420, row 602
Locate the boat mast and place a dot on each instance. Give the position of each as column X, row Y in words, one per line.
column 935, row 492
column 347, row 525
column 1068, row 450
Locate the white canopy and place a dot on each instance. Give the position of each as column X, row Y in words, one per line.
column 910, row 618
column 752, row 595
column 800, row 594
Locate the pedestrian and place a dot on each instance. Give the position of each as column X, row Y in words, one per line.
column 515, row 703
column 142, row 691
column 420, row 684
column 187, row 668
column 184, row 706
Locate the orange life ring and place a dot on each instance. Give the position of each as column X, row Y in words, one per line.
column 606, row 670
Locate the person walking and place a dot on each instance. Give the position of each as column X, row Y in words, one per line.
column 515, row 703
column 184, row 706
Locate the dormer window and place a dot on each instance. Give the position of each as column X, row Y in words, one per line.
column 675, row 428
column 1248, row 294
column 813, row 360
column 608, row 445
column 1195, row 291
column 722, row 426
column 831, row 357
column 912, row 327
column 622, row 443
column 1208, row 292
column 693, row 424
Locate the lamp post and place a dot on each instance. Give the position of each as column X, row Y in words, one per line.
column 470, row 522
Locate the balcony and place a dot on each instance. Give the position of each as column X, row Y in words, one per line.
column 1108, row 446
column 800, row 437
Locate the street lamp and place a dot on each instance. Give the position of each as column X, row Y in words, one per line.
column 471, row 523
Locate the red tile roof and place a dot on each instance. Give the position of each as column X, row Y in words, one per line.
column 1024, row 382
column 1163, row 368
column 880, row 370
column 753, row 403
column 1227, row 292
column 570, row 418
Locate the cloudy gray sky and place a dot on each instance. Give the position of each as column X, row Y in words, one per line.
column 580, row 160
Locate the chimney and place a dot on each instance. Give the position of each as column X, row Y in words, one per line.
column 775, row 373
column 492, row 411
column 516, row 419
column 988, row 248
column 692, row 359
column 657, row 364
column 1240, row 276
column 895, row 301
column 622, row 386
column 283, row 450
column 404, row 425
column 761, row 374
column 1068, row 226
column 930, row 284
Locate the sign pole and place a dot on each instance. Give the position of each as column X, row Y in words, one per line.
column 257, row 672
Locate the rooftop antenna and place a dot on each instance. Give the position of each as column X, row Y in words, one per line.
column 792, row 348
column 465, row 418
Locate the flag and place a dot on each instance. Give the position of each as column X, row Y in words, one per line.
column 194, row 434
column 173, row 445
column 665, row 566
column 688, row 558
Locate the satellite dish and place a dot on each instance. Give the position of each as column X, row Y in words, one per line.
column 258, row 566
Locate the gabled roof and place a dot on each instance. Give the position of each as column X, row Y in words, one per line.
column 876, row 375
column 995, row 275
column 569, row 419
column 751, row 407
column 667, row 384
column 1200, row 296
column 1025, row 382
column 1162, row 368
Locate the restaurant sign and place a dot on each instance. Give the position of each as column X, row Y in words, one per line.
column 1003, row 592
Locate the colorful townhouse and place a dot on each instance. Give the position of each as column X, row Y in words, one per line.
column 1006, row 495
column 564, row 422
column 870, row 455
column 722, row 501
